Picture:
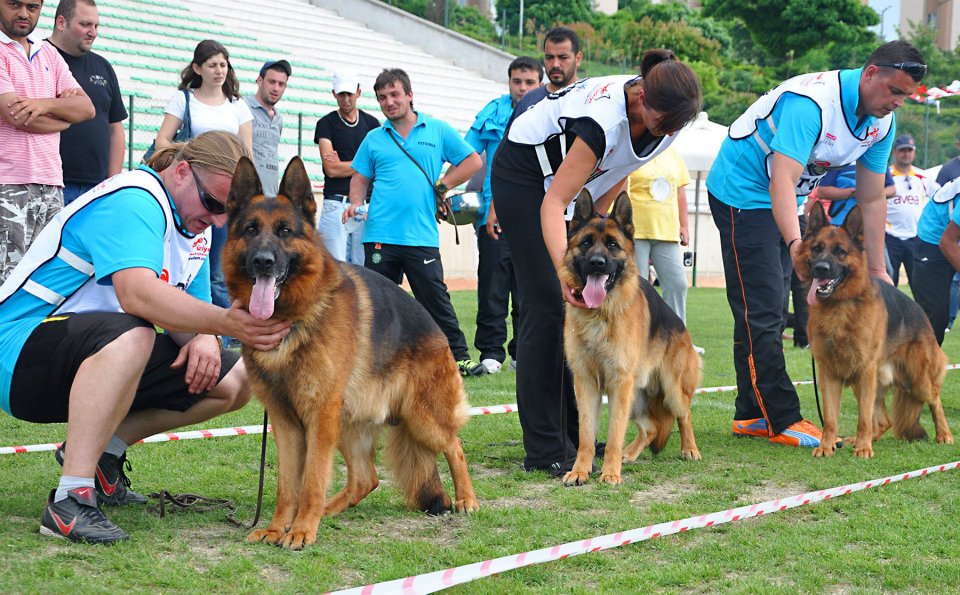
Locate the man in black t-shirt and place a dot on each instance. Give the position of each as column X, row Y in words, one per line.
column 338, row 135
column 91, row 151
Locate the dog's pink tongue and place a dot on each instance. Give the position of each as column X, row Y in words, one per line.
column 261, row 300
column 594, row 293
column 812, row 294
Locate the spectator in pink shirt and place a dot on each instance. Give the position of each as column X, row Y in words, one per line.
column 38, row 98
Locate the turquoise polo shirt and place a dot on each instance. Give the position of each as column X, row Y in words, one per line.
column 484, row 136
column 936, row 215
column 402, row 205
column 739, row 175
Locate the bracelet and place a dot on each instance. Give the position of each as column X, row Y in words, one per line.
column 790, row 245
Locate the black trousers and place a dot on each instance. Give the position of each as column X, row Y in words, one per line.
column 495, row 284
column 796, row 290
column 932, row 275
column 424, row 271
column 901, row 252
column 545, row 397
column 755, row 260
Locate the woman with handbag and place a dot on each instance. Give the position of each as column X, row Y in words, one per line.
column 208, row 98
column 591, row 134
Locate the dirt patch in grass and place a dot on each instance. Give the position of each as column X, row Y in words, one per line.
column 771, row 490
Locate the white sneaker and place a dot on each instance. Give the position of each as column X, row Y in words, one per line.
column 699, row 350
column 513, row 365
column 492, row 365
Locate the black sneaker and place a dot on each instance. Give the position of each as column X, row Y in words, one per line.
column 558, row 469
column 468, row 367
column 113, row 485
column 77, row 518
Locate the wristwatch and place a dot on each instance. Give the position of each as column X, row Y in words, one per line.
column 441, row 188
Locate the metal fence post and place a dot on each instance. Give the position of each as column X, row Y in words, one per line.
column 300, row 134
column 130, row 135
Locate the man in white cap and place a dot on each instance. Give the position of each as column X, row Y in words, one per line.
column 338, row 135
column 268, row 122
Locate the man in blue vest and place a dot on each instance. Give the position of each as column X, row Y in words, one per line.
column 775, row 155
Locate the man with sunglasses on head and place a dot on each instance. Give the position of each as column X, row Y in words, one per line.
column 776, row 154
column 78, row 319
column 39, row 98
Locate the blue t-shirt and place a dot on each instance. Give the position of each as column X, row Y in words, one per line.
column 485, row 135
column 739, row 176
column 403, row 204
column 935, row 217
column 846, row 177
column 119, row 231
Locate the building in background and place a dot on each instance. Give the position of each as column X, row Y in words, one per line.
column 942, row 15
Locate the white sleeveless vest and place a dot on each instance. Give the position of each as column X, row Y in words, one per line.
column 837, row 145
column 601, row 99
column 183, row 255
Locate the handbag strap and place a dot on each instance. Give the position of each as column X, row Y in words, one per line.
column 443, row 199
column 185, row 121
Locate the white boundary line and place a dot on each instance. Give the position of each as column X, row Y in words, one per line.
column 442, row 579
column 243, row 430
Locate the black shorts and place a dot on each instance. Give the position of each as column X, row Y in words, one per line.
column 49, row 360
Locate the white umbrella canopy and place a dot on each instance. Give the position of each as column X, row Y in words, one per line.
column 699, row 142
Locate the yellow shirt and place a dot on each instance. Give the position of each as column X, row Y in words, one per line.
column 653, row 193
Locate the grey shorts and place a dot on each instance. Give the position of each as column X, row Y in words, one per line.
column 25, row 209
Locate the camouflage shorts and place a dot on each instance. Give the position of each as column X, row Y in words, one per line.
column 24, row 210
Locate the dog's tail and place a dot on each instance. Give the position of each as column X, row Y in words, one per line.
column 415, row 470
column 906, row 416
column 662, row 419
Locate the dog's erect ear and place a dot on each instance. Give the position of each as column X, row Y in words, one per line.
column 854, row 225
column 583, row 210
column 296, row 186
column 246, row 184
column 622, row 213
column 816, row 219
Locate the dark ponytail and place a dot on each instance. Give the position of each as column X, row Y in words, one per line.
column 671, row 88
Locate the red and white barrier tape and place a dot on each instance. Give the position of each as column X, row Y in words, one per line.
column 442, row 579
column 243, row 430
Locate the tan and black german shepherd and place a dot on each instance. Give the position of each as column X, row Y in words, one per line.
column 362, row 354
column 628, row 343
column 867, row 334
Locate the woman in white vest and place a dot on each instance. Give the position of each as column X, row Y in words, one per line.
column 590, row 135
column 77, row 336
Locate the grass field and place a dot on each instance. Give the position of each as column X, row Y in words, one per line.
column 899, row 538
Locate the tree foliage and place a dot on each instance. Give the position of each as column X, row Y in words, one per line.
column 791, row 28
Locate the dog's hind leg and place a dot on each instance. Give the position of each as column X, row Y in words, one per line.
column 288, row 434
column 358, row 445
column 646, row 430
column 466, row 499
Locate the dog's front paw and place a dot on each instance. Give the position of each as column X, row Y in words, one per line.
column 864, row 451
column 825, row 449
column 269, row 535
column 945, row 439
column 690, row 455
column 576, row 478
column 297, row 540
column 466, row 505
column 611, row 478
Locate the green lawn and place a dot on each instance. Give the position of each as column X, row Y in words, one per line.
column 903, row 537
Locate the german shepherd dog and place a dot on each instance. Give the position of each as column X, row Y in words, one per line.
column 361, row 354
column 866, row 334
column 627, row 343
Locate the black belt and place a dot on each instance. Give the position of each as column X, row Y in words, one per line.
column 340, row 198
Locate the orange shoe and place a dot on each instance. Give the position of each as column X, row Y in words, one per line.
column 750, row 427
column 801, row 433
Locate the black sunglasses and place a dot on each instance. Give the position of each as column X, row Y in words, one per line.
column 916, row 70
column 209, row 202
